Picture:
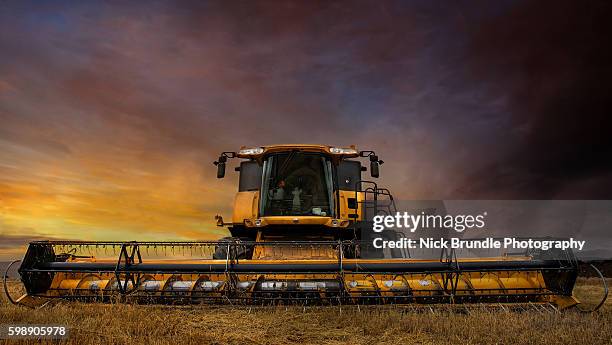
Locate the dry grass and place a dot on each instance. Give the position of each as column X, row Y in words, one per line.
column 120, row 324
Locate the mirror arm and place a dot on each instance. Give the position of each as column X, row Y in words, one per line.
column 372, row 155
column 224, row 156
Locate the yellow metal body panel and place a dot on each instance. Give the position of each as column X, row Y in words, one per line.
column 293, row 254
column 344, row 210
column 563, row 302
column 246, row 206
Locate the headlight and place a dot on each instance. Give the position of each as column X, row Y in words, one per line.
column 342, row 151
column 251, row 151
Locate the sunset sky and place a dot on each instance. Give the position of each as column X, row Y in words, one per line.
column 111, row 113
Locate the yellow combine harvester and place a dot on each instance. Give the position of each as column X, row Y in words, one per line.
column 298, row 235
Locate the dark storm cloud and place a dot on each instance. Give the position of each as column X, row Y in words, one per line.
column 553, row 58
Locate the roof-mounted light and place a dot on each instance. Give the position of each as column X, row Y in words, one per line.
column 342, row 151
column 251, row 151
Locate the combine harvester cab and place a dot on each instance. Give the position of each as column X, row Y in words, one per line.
column 299, row 236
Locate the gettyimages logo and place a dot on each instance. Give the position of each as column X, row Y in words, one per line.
column 513, row 226
column 414, row 222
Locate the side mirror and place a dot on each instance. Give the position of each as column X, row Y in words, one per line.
column 221, row 166
column 374, row 166
column 374, row 162
column 374, row 169
column 220, row 170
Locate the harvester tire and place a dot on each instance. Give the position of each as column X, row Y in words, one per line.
column 237, row 252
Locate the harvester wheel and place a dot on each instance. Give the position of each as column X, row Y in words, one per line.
column 238, row 251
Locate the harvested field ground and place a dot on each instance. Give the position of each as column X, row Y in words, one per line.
column 141, row 324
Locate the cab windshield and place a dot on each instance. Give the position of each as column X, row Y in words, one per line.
column 297, row 184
